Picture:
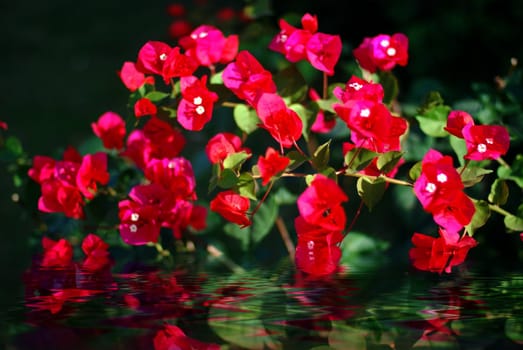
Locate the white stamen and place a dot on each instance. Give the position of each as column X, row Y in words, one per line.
column 489, row 140
column 203, row 35
column 197, row 100
column 194, row 36
column 442, row 178
column 170, row 165
column 356, row 86
column 200, row 110
column 391, row 51
column 163, row 57
column 384, row 43
column 482, row 148
column 365, row 113
column 430, row 187
column 135, row 216
column 310, row 245
column 133, row 228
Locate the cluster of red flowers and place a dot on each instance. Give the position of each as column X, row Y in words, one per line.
column 66, row 184
column 166, row 198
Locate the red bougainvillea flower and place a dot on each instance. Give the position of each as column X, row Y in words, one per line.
column 291, row 41
column 372, row 125
column 440, row 190
column 176, row 10
column 437, row 255
column 284, row 124
column 58, row 197
column 56, row 253
column 138, row 223
column 321, row 204
column 485, row 141
column 456, row 121
column 157, row 140
column 175, row 174
column 172, row 337
column 323, row 52
column 222, row 145
column 132, row 78
column 317, row 257
column 43, row 169
column 92, row 171
column 110, row 128
column 272, row 164
column 232, row 206
column 151, row 57
column 144, row 107
column 359, row 89
column 209, row 46
column 322, row 124
column 382, row 52
column 195, row 108
column 177, row 65
column 247, row 78
column 96, row 253
column 3, row 125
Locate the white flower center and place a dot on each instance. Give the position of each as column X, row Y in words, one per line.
column 310, row 245
column 200, row 110
column 442, row 178
column 163, row 57
column 197, row 100
column 391, row 51
column 356, row 86
column 431, row 187
column 133, row 228
column 135, row 216
column 203, row 35
column 365, row 113
column 384, row 43
column 489, row 140
column 482, row 148
column 170, row 165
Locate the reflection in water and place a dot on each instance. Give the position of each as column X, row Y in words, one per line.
column 71, row 307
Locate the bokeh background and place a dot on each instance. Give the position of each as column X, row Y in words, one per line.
column 60, row 59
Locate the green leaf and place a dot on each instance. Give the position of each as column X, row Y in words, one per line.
column 264, row 219
column 246, row 118
column 321, row 156
column 472, row 175
column 434, row 120
column 227, row 179
column 390, row 86
column 358, row 158
column 515, row 172
column 246, row 186
column 498, row 192
column 296, row 158
column 371, row 190
column 342, row 334
column 330, row 172
column 415, row 171
column 362, row 252
column 387, row 161
column 156, row 96
column 326, row 105
column 513, row 223
column 480, row 218
column 459, row 146
column 283, row 196
column 305, row 117
column 235, row 160
column 13, row 145
column 291, row 83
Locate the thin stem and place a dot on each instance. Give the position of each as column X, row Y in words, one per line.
column 358, row 212
column 229, row 104
column 218, row 254
column 499, row 210
column 284, row 233
column 325, row 85
column 386, row 178
column 503, row 163
column 263, row 199
column 467, row 162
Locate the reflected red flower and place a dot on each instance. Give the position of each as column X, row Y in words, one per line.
column 96, row 253
column 172, row 337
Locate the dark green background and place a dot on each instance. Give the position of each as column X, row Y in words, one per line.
column 59, row 61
